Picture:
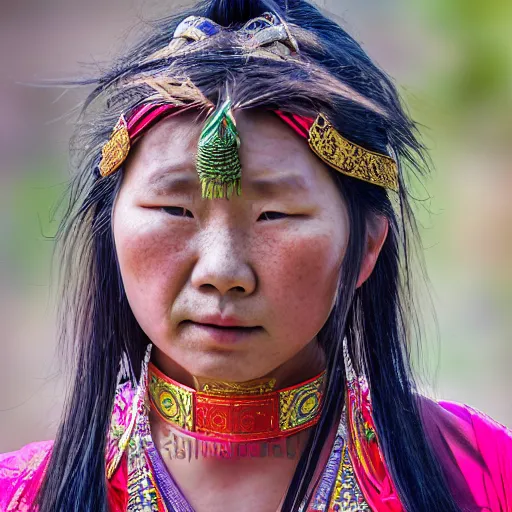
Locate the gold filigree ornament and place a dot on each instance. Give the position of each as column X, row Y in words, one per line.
column 349, row 158
column 221, row 388
column 116, row 150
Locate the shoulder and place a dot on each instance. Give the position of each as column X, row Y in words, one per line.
column 474, row 450
column 486, row 430
column 476, row 427
column 21, row 474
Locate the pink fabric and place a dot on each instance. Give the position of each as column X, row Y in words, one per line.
column 369, row 466
column 21, row 474
column 300, row 124
column 475, row 452
column 117, row 488
column 149, row 114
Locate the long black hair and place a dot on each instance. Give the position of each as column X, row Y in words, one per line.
column 332, row 75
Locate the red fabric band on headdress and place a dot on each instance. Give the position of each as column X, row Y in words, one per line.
column 146, row 116
column 300, row 124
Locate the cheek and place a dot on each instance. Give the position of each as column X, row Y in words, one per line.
column 153, row 263
column 300, row 278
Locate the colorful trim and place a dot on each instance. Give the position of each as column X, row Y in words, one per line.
column 341, row 154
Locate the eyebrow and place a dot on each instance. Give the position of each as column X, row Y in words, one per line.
column 276, row 186
column 175, row 179
column 178, row 179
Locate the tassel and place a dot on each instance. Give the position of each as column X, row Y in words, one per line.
column 218, row 161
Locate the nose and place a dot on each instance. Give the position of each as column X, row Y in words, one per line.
column 222, row 264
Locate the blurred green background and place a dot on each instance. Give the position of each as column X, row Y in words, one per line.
column 453, row 64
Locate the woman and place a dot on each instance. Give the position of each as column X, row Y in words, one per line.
column 238, row 301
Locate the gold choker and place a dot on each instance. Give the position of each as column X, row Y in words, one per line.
column 236, row 412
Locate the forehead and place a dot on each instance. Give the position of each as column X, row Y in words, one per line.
column 269, row 149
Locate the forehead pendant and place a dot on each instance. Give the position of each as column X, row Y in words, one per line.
column 218, row 162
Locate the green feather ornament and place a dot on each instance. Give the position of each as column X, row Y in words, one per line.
column 218, row 162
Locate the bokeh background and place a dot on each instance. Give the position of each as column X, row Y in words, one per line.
column 452, row 61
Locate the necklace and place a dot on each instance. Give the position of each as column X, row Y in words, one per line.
column 233, row 412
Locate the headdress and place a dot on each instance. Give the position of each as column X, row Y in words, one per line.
column 218, row 163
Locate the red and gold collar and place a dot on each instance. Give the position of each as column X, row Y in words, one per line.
column 236, row 412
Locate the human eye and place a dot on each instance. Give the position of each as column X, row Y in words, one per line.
column 273, row 216
column 177, row 211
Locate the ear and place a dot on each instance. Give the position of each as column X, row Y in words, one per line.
column 376, row 233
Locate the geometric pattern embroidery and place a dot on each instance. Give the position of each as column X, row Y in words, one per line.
column 300, row 405
column 346, row 494
column 338, row 489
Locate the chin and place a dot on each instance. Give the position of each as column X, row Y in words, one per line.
column 223, row 367
column 224, row 372
column 182, row 362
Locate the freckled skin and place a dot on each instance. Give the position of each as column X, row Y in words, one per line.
column 278, row 274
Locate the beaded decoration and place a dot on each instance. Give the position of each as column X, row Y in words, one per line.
column 218, row 163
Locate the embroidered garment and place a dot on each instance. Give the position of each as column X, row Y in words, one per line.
column 21, row 474
column 474, row 451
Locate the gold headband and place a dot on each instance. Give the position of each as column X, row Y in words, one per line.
column 349, row 158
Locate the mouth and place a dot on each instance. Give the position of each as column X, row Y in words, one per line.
column 222, row 333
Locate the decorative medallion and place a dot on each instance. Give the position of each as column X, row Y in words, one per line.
column 300, row 405
column 116, row 150
column 174, row 402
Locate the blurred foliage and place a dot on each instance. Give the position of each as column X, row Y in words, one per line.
column 35, row 220
column 481, row 34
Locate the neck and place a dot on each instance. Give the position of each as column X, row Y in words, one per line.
column 226, row 412
column 241, row 469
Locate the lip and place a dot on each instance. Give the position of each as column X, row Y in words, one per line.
column 220, row 321
column 227, row 331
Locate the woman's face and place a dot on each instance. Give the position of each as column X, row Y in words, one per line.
column 229, row 289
